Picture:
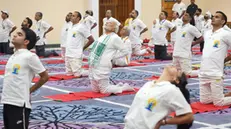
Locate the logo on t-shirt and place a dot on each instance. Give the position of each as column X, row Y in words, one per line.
column 183, row 34
column 134, row 27
column 16, row 69
column 74, row 35
column 216, row 43
column 160, row 27
column 151, row 104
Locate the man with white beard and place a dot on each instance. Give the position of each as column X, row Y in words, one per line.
column 100, row 61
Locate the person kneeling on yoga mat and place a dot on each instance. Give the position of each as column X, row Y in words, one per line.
column 157, row 99
column 104, row 50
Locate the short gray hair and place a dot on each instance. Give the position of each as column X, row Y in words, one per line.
column 127, row 29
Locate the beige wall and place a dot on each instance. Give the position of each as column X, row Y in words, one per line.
column 150, row 10
column 221, row 5
column 54, row 12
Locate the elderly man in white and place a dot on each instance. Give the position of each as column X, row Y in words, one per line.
column 100, row 61
column 124, row 61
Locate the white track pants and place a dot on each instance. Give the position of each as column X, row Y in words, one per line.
column 100, row 82
column 211, row 91
column 74, row 67
column 184, row 65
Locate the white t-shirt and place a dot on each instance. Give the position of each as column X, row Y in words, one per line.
column 178, row 23
column 21, row 68
column 76, row 37
column 40, row 29
column 199, row 21
column 89, row 21
column 113, row 45
column 206, row 25
column 160, row 30
column 152, row 103
column 215, row 50
column 179, row 8
column 136, row 27
column 5, row 28
column 64, row 32
column 184, row 38
column 111, row 19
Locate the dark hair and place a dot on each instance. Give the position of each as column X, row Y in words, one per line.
column 137, row 12
column 199, row 9
column 29, row 21
column 224, row 16
column 30, row 36
column 165, row 13
column 182, row 86
column 89, row 12
column 40, row 14
column 79, row 15
column 6, row 15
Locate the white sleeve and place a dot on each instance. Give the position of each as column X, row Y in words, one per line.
column 141, row 25
column 36, row 65
column 227, row 38
column 117, row 22
column 84, row 32
column 120, row 46
column 93, row 20
column 10, row 24
column 169, row 24
column 184, row 7
column 104, row 21
column 178, row 103
column 45, row 25
column 174, row 8
column 195, row 32
column 227, row 28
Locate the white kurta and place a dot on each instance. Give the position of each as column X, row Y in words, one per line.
column 100, row 63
